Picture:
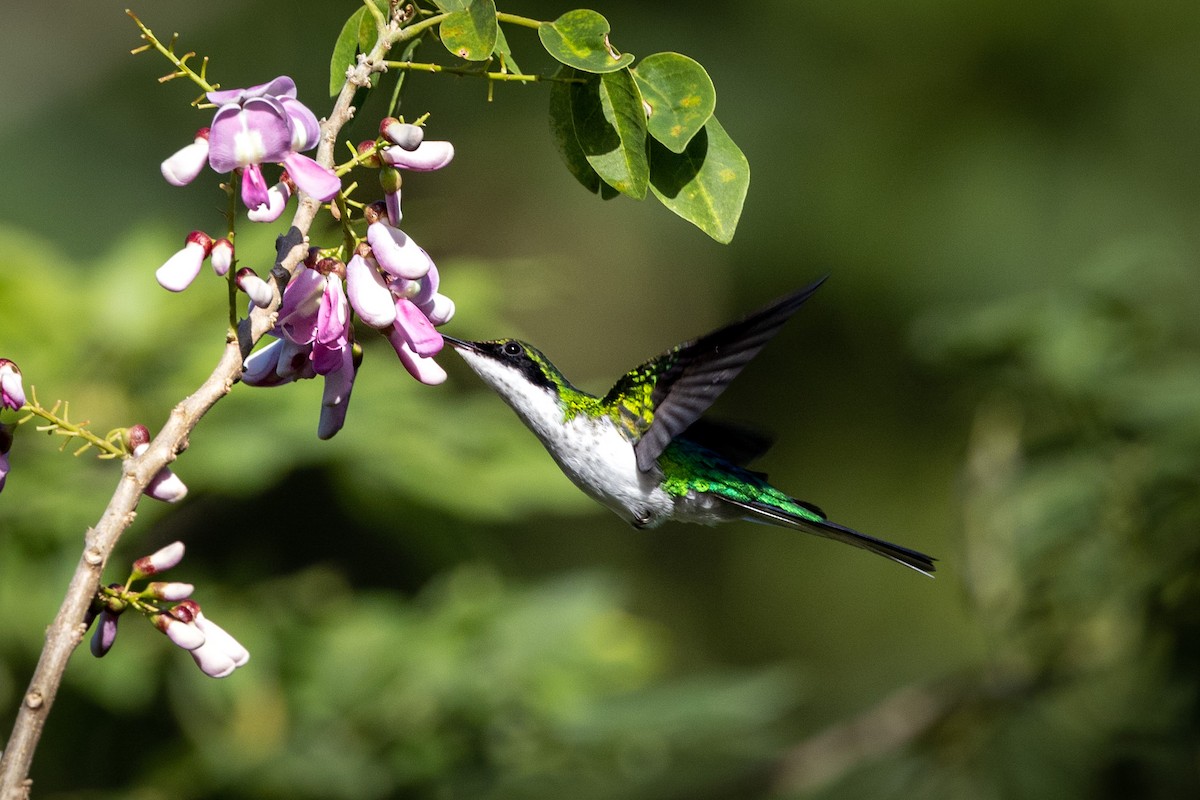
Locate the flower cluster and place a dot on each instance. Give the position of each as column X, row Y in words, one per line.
column 168, row 606
column 12, row 395
column 389, row 282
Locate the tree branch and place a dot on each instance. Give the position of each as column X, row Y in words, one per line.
column 67, row 629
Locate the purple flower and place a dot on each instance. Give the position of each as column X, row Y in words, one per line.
column 267, row 124
column 12, row 390
column 105, row 634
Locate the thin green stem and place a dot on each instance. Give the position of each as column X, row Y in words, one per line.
column 182, row 70
column 417, row 66
column 417, row 28
column 62, row 426
column 514, row 19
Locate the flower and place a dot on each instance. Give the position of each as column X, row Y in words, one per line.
column 165, row 485
column 182, row 268
column 258, row 290
column 160, row 560
column 12, row 390
column 218, row 654
column 267, row 124
column 182, row 168
column 367, row 291
column 395, row 251
column 221, row 256
column 105, row 634
column 263, row 124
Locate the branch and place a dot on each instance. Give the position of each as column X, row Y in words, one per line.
column 67, row 629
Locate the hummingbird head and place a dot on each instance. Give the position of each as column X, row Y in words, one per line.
column 520, row 374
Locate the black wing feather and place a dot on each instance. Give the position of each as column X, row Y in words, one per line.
column 701, row 369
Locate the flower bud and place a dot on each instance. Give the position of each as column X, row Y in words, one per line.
column 221, row 256
column 12, row 390
column 171, row 591
column 105, row 633
column 258, row 290
column 160, row 560
column 182, row 168
column 277, row 198
column 399, row 133
column 425, row 158
column 182, row 634
column 137, row 436
column 182, row 268
column 366, row 146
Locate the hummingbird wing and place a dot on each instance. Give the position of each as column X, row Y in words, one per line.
column 661, row 398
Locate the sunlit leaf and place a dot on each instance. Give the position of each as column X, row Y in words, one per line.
column 470, row 32
column 706, row 184
column 610, row 127
column 580, row 39
column 680, row 96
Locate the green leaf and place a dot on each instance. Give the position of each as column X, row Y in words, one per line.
column 562, row 128
column 470, row 32
column 358, row 35
column 706, row 184
column 680, row 95
column 345, row 51
column 580, row 39
column 505, row 53
column 610, row 127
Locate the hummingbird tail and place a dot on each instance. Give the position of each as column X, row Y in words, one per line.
column 831, row 530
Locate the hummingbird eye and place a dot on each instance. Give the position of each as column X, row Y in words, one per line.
column 512, row 349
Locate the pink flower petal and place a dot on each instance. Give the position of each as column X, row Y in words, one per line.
column 312, row 178
column 277, row 197
column 426, row 370
column 396, row 252
column 305, row 129
column 428, row 156
column 254, row 187
column 251, row 134
column 369, row 295
column 418, row 331
column 166, row 486
column 335, row 398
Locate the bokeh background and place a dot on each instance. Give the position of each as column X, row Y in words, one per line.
column 1003, row 370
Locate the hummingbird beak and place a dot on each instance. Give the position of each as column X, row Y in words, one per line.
column 460, row 344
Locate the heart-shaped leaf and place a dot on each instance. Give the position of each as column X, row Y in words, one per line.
column 706, row 184
column 470, row 31
column 680, row 95
column 610, row 126
column 580, row 39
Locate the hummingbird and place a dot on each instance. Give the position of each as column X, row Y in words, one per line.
column 644, row 449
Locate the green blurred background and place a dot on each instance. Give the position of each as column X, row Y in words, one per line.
column 1003, row 371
